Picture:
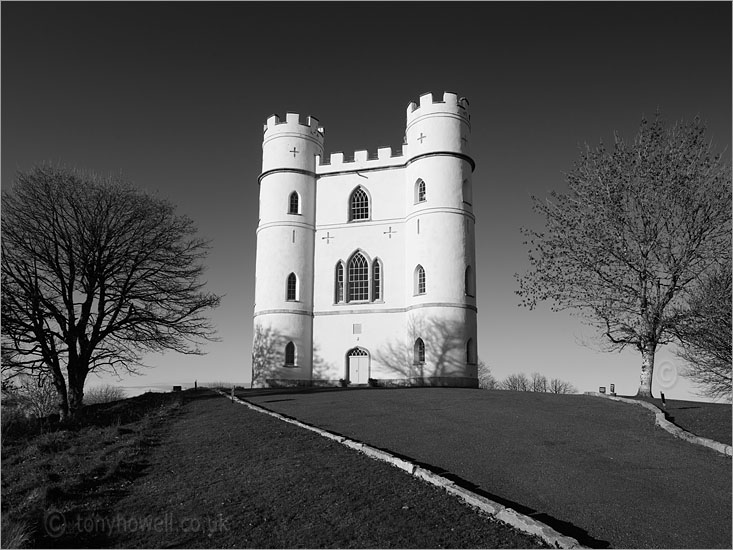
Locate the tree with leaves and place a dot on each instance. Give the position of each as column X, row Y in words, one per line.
column 94, row 273
column 705, row 335
column 638, row 229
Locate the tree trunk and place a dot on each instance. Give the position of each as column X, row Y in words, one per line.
column 647, row 370
column 77, row 377
column 63, row 398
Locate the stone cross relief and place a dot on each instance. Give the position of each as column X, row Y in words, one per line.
column 294, row 151
column 421, row 137
column 328, row 237
column 390, row 232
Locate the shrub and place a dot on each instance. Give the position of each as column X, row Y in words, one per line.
column 343, row 383
column 103, row 394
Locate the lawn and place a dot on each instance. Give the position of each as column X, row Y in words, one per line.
column 711, row 420
column 194, row 470
column 594, row 469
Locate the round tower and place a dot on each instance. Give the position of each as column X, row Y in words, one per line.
column 440, row 245
column 283, row 312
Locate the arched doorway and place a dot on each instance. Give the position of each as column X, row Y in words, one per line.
column 358, row 366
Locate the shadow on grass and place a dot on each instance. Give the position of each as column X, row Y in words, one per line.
column 563, row 527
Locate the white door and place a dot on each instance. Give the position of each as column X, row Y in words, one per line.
column 359, row 369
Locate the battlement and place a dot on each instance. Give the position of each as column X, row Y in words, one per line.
column 293, row 120
column 384, row 157
column 450, row 103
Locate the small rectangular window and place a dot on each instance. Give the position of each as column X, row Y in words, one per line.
column 356, row 327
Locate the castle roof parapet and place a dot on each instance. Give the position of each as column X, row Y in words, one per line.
column 292, row 120
column 450, row 103
column 361, row 160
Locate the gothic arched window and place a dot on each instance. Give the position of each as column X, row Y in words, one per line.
column 359, row 205
column 467, row 192
column 377, row 280
column 470, row 352
column 294, row 207
column 290, row 355
column 420, row 191
column 358, row 272
column 470, row 291
column 339, row 297
column 292, row 287
column 419, row 280
column 419, row 351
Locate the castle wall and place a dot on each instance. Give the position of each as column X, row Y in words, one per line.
column 403, row 229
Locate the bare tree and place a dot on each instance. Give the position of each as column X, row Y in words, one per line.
column 638, row 228
column 486, row 380
column 515, row 382
column 538, row 382
column 560, row 386
column 34, row 397
column 705, row 336
column 94, row 273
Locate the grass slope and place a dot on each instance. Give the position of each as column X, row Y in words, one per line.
column 209, row 473
column 711, row 420
column 595, row 469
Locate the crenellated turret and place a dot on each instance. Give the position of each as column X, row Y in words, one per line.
column 285, row 241
column 439, row 236
column 434, row 126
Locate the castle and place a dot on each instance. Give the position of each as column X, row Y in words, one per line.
column 365, row 268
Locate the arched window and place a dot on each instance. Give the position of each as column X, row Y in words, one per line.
column 419, row 191
column 419, row 351
column 467, row 192
column 358, row 272
column 377, row 280
column 470, row 291
column 470, row 352
column 292, row 287
column 419, row 280
column 339, row 282
column 290, row 355
column 294, row 203
column 359, row 205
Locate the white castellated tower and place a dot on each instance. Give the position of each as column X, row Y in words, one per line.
column 366, row 267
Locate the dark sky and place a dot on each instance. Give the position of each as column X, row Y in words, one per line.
column 174, row 95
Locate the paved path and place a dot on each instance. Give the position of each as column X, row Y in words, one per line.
column 595, row 470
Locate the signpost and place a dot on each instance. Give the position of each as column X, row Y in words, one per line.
column 602, row 389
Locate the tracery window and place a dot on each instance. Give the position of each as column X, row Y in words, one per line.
column 294, row 203
column 339, row 282
column 419, row 351
column 420, row 191
column 419, row 280
column 290, row 354
column 292, row 293
column 358, row 272
column 376, row 280
column 359, row 205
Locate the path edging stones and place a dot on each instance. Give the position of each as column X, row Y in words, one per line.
column 495, row 510
column 665, row 424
